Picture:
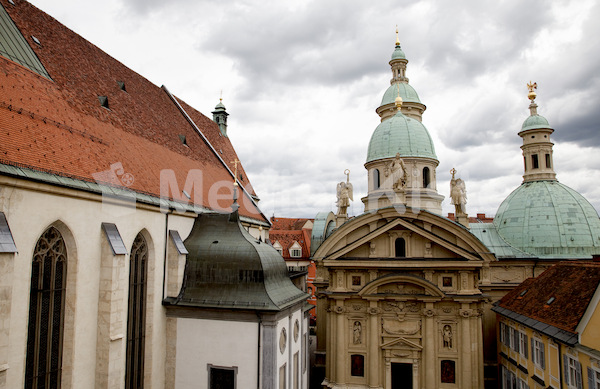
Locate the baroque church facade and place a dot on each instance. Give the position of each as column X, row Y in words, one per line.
column 404, row 293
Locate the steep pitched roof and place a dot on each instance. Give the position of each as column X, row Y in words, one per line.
column 571, row 284
column 60, row 126
column 288, row 224
column 286, row 231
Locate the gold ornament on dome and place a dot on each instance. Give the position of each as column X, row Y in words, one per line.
column 532, row 87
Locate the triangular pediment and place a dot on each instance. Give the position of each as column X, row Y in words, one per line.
column 443, row 233
column 401, row 341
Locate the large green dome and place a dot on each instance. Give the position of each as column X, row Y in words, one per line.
column 400, row 134
column 407, row 93
column 549, row 219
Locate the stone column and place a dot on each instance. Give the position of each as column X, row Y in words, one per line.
column 110, row 361
column 429, row 346
column 465, row 313
column 340, row 368
column 374, row 345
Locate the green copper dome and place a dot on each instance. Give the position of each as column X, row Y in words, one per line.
column 535, row 122
column 400, row 134
column 398, row 53
column 407, row 93
column 549, row 219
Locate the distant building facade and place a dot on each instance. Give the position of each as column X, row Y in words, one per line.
column 548, row 329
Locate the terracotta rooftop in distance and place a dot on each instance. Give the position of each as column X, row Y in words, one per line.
column 285, row 223
column 59, row 125
column 286, row 231
column 558, row 297
column 480, row 218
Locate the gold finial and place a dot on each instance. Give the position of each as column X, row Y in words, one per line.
column 453, row 172
column 532, row 87
column 221, row 96
column 398, row 101
column 397, row 39
column 235, row 164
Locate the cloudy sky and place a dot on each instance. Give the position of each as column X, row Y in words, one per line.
column 301, row 81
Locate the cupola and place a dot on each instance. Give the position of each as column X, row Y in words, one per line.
column 220, row 117
column 537, row 147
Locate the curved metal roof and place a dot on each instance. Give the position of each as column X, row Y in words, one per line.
column 400, row 134
column 549, row 219
column 228, row 268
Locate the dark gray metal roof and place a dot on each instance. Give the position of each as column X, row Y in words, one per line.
column 14, row 46
column 114, row 238
column 561, row 335
column 228, row 268
column 178, row 242
column 7, row 243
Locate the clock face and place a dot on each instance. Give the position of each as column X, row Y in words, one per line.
column 282, row 340
column 296, row 330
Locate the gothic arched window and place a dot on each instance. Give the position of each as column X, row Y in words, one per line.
column 136, row 314
column 43, row 365
column 400, row 247
column 426, row 178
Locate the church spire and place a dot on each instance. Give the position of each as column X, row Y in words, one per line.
column 537, row 147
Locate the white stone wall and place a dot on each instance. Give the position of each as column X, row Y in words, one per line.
column 222, row 343
column 295, row 342
column 30, row 209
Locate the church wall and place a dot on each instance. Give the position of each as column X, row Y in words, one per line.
column 93, row 355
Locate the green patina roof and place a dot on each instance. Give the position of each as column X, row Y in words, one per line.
column 535, row 122
column 549, row 219
column 400, row 134
column 398, row 53
column 407, row 93
column 14, row 46
column 488, row 235
column 228, row 268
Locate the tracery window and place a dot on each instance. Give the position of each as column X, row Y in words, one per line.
column 136, row 314
column 43, row 366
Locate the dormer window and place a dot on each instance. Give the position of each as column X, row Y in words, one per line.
column 296, row 250
column 277, row 246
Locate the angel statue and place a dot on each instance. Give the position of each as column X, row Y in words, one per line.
column 458, row 194
column 398, row 170
column 344, row 194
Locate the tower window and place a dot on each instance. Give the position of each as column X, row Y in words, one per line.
column 400, row 247
column 426, row 179
column 376, row 181
column 534, row 162
column 548, row 164
column 525, row 163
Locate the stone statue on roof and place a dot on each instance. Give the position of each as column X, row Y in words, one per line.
column 398, row 172
column 344, row 195
column 458, row 194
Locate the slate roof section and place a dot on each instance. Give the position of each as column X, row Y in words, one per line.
column 228, row 268
column 572, row 284
column 58, row 126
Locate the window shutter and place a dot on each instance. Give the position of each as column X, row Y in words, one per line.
column 579, row 375
column 590, row 378
column 542, row 354
column 566, row 368
column 525, row 348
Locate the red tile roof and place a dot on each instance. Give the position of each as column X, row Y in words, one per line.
column 572, row 284
column 59, row 125
column 288, row 224
column 286, row 231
